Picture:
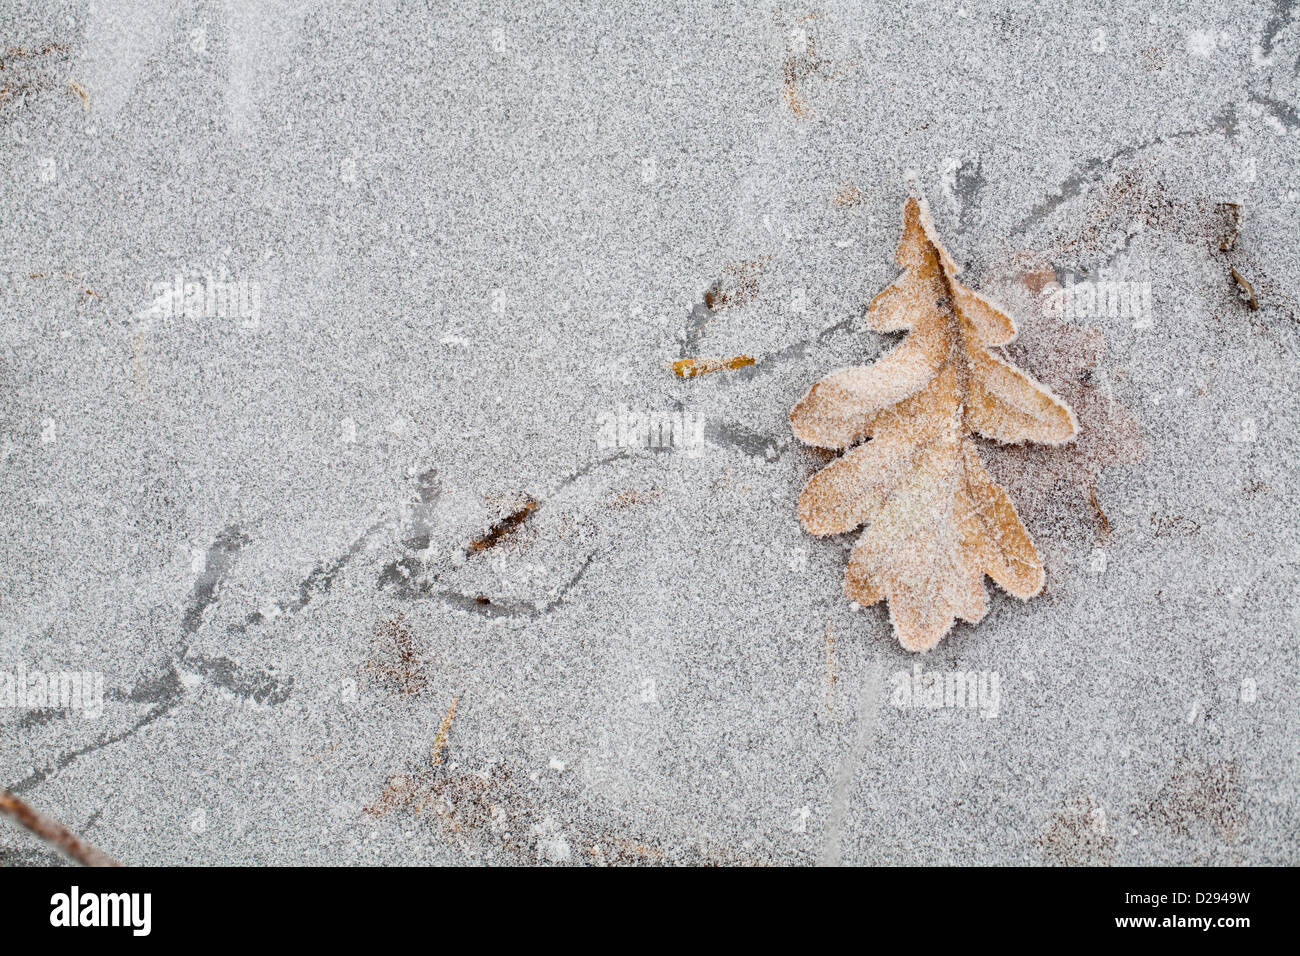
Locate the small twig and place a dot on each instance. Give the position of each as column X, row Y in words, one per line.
column 1105, row 522
column 1229, row 243
column 503, row 527
column 53, row 832
column 1246, row 287
column 440, row 741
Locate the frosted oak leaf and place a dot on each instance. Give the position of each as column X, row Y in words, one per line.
column 936, row 521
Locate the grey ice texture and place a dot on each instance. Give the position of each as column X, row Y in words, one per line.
column 474, row 232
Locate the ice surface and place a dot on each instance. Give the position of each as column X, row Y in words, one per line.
column 441, row 265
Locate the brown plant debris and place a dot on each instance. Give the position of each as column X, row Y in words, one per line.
column 1206, row 793
column 492, row 806
column 22, row 53
column 81, row 92
column 1247, row 289
column 395, row 659
column 85, row 289
column 415, row 789
column 1154, row 59
column 635, row 496
column 27, row 71
column 444, row 728
column 53, row 832
column 1232, row 211
column 1078, row 835
column 936, row 521
column 847, row 196
column 619, row 851
column 504, row 528
column 1105, row 522
column 691, row 367
column 738, row 286
column 1133, row 198
column 801, row 63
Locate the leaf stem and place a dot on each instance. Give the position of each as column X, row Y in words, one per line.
column 51, row 831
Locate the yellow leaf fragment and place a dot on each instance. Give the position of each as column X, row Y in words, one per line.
column 81, row 92
column 440, row 741
column 936, row 521
column 691, row 367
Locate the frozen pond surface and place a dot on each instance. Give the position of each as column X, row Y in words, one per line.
column 393, row 537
